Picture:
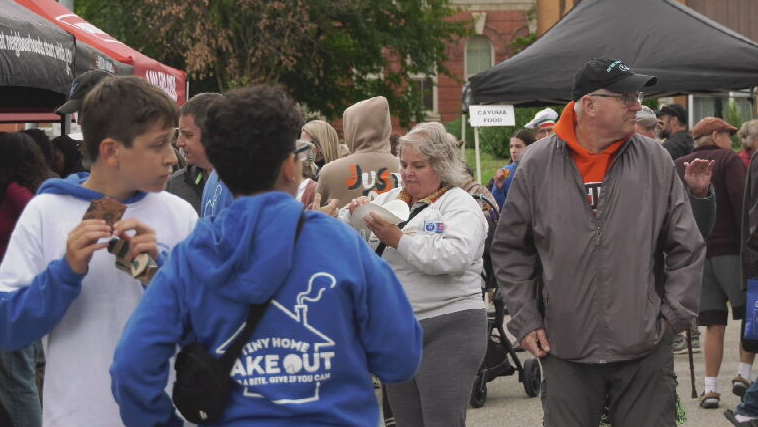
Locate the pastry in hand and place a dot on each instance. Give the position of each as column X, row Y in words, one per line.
column 107, row 208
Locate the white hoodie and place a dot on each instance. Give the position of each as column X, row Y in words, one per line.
column 439, row 258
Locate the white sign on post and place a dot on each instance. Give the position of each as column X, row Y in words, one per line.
column 488, row 115
column 492, row 115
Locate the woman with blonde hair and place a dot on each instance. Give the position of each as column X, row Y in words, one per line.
column 437, row 255
column 327, row 144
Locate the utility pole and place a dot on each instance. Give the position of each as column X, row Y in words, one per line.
column 66, row 118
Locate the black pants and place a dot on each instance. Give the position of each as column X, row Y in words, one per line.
column 639, row 392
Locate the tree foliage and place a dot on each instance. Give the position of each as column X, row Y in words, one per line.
column 327, row 53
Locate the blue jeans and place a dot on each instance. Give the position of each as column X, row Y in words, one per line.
column 19, row 397
column 749, row 405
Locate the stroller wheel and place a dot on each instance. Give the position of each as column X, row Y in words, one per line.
column 532, row 377
column 479, row 392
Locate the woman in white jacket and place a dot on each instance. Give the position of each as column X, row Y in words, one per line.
column 437, row 256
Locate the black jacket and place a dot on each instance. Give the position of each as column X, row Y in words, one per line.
column 749, row 229
column 188, row 183
column 679, row 144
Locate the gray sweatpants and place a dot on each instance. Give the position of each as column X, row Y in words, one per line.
column 639, row 392
column 438, row 396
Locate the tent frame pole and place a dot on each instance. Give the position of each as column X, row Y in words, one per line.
column 65, row 124
column 478, row 157
column 463, row 136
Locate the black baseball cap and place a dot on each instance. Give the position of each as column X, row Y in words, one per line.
column 674, row 110
column 83, row 83
column 609, row 74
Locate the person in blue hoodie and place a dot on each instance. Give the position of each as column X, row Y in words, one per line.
column 336, row 314
column 58, row 282
column 216, row 196
column 501, row 183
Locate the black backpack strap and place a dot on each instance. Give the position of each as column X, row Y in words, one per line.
column 381, row 247
column 253, row 316
column 235, row 349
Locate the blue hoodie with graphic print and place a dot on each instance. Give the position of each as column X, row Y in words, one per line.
column 216, row 196
column 338, row 313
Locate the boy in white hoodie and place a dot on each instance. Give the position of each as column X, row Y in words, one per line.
column 59, row 283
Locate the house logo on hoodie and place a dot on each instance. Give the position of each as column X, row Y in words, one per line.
column 287, row 367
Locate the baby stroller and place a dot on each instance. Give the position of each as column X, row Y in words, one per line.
column 499, row 349
column 501, row 360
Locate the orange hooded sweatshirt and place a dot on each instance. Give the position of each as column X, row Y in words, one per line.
column 593, row 167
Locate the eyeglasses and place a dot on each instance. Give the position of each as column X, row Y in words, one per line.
column 628, row 99
column 302, row 152
column 544, row 132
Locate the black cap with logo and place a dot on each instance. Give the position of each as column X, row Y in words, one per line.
column 83, row 83
column 608, row 74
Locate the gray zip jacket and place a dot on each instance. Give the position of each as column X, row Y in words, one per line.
column 606, row 287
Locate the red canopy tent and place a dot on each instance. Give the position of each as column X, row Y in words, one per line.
column 170, row 80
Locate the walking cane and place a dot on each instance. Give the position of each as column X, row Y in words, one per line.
column 692, row 363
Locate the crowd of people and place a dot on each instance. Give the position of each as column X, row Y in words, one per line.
column 294, row 267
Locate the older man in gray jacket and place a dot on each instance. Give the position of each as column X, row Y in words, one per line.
column 579, row 256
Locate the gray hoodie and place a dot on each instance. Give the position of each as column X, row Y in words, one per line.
column 367, row 129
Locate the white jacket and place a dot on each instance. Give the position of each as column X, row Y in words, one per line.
column 439, row 257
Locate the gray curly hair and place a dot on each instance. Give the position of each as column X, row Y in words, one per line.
column 748, row 134
column 437, row 146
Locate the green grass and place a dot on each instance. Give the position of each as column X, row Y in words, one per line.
column 490, row 163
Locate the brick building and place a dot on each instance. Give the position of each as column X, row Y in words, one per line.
column 495, row 23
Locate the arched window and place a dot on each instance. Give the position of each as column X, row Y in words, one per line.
column 478, row 56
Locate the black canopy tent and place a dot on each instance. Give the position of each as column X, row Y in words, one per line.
column 688, row 53
column 36, row 61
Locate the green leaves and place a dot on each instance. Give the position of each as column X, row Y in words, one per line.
column 328, row 53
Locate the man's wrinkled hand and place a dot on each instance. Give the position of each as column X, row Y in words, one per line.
column 697, row 176
column 535, row 342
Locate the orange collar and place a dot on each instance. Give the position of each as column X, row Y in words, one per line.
column 404, row 196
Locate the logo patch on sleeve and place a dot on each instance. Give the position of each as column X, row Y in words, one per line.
column 434, row 227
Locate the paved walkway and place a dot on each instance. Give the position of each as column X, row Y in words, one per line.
column 508, row 405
